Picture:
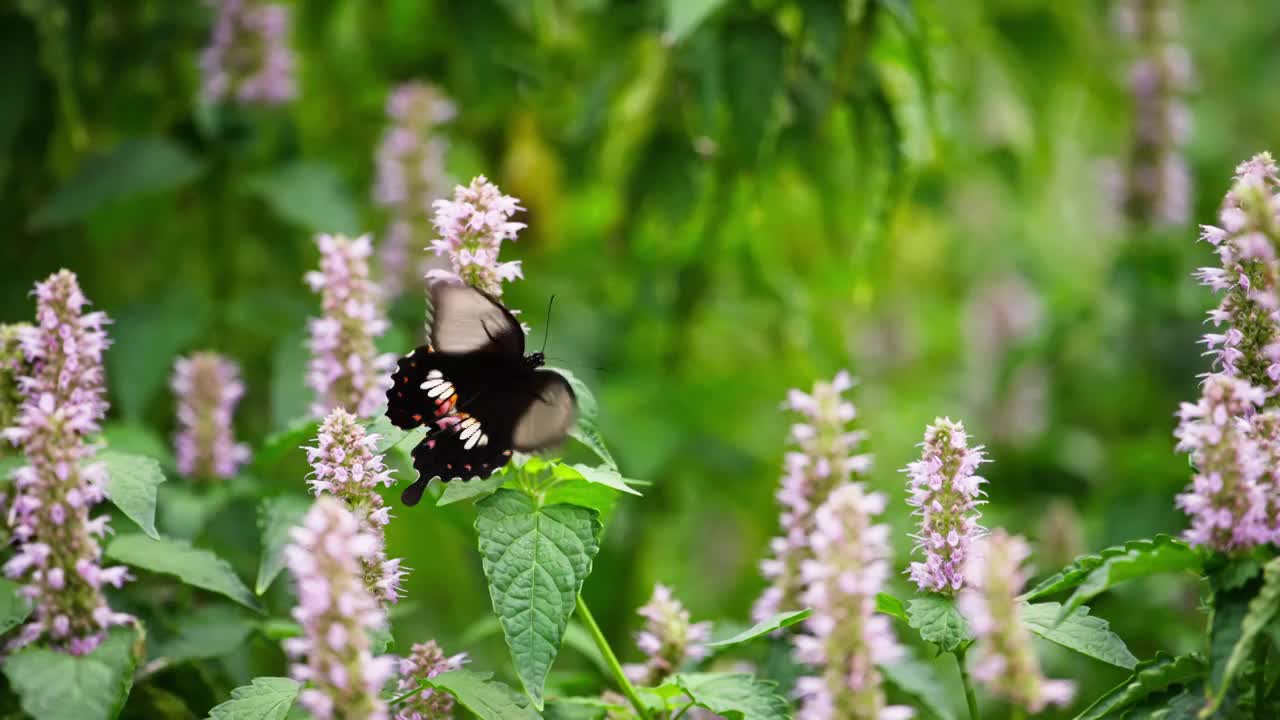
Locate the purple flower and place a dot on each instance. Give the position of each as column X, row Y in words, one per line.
column 946, row 495
column 669, row 639
column 1247, row 346
column 343, row 464
column 1158, row 183
column 1004, row 660
column 472, row 227
column 426, row 661
column 846, row 639
column 208, row 388
column 411, row 176
column 337, row 614
column 826, row 457
column 248, row 57
column 346, row 370
column 1264, row 429
column 1228, row 497
column 13, row 365
column 58, row 554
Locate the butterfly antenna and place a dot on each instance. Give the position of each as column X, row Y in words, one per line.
column 546, row 331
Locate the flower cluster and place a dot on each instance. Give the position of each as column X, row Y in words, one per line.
column 846, row 638
column 945, row 493
column 1004, row 660
column 826, row 457
column 343, row 464
column 208, row 387
column 1158, row 186
column 1250, row 307
column 669, row 639
column 426, row 661
column 346, row 370
column 1228, row 498
column 472, row 227
column 337, row 615
column 411, row 176
column 248, row 57
column 13, row 365
column 58, row 556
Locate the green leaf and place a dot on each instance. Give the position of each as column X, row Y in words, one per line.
column 536, row 559
column 938, row 621
column 603, row 475
column 390, row 436
column 764, row 627
column 267, row 698
column 199, row 568
column 1226, row 630
column 131, row 486
column 290, row 396
column 577, row 638
column 145, row 339
column 918, row 680
column 1137, row 563
column 487, row 699
column 586, row 428
column 1149, row 677
column 280, row 444
column 14, row 608
column 753, row 78
column 58, row 686
column 133, row 167
column 137, row 439
column 456, row 491
column 1262, row 610
column 1160, row 551
column 892, row 606
column 580, row 708
column 309, row 194
column 684, row 16
column 735, row 696
column 276, row 517
column 1080, row 632
column 206, row 632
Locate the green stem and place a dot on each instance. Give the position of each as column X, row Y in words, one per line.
column 615, row 668
column 1259, row 680
column 682, row 712
column 970, row 696
column 401, row 698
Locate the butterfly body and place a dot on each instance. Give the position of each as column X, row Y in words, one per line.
column 475, row 390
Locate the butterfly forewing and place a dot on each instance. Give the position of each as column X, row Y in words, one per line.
column 465, row 320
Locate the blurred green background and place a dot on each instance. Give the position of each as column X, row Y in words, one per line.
column 727, row 199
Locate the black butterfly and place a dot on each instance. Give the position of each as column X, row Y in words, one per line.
column 475, row 390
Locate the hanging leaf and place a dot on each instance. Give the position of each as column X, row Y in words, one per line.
column 266, row 698
column 57, row 686
column 536, row 559
column 132, row 482
column 1080, row 632
column 938, row 621
column 770, row 624
column 199, row 568
column 276, row 517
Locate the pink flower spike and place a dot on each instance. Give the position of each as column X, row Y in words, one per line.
column 945, row 494
column 208, row 388
column 248, row 58
column 669, row 638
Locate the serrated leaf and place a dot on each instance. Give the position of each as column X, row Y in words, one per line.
column 536, row 559
column 892, row 606
column 132, row 482
column 1262, row 610
column 196, row 567
column 58, row 686
column 206, row 632
column 266, row 698
column 938, row 621
column 918, row 680
column 1226, row 628
column 309, row 194
column 684, row 16
column 133, row 167
column 586, row 428
column 276, row 517
column 1143, row 562
column 603, row 475
column 1079, row 631
column 776, row 622
column 1079, row 571
column 487, row 699
column 14, row 608
column 735, row 696
column 456, row 491
column 1149, row 677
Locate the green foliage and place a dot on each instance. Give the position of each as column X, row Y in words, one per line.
column 146, row 337
column 1100, row 571
column 486, row 699
column 266, row 698
column 276, row 517
column 684, row 16
column 938, row 621
column 586, row 427
column 308, row 194
column 918, row 681
column 1079, row 631
column 1149, row 677
column 207, row 632
column 131, row 486
column 195, row 567
column 14, row 608
column 1260, row 613
column 456, row 491
column 734, row 696
column 536, row 559
column 891, row 606
column 57, row 686
column 775, row 622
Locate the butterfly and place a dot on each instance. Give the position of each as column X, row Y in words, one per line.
column 476, row 391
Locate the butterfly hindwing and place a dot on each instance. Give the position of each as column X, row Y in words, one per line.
column 549, row 414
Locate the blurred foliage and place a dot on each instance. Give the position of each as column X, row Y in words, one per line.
column 728, row 199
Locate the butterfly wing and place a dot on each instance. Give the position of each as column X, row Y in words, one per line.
column 466, row 320
column 549, row 413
